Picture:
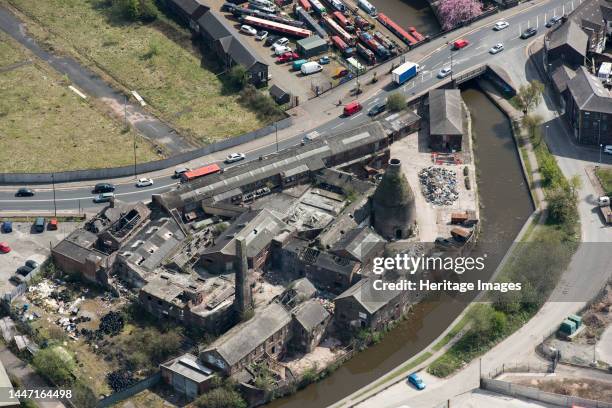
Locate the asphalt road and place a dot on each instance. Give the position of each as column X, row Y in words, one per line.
column 481, row 39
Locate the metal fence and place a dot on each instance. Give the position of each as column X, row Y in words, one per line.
column 97, row 174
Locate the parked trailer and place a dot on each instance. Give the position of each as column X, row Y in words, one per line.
column 366, row 6
column 318, row 7
column 396, row 29
column 240, row 11
column 200, row 172
column 405, row 72
column 278, row 27
column 310, row 22
column 305, row 4
column 366, row 54
column 343, row 21
column 339, row 31
column 368, row 40
column 342, row 46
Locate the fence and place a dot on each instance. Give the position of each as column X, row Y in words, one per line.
column 22, row 287
column 128, row 392
column 98, row 174
column 515, row 390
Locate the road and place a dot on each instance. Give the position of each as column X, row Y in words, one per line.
column 481, row 38
column 587, row 273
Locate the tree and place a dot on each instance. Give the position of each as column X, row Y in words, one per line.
column 562, row 207
column 396, row 102
column 532, row 124
column 221, row 398
column 455, row 12
column 55, row 364
column 135, row 10
column 238, row 77
column 529, row 96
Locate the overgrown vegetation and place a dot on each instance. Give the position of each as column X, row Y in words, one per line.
column 528, row 96
column 261, row 103
column 223, row 395
column 135, row 10
column 605, row 178
column 396, row 102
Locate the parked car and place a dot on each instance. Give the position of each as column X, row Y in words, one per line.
column 554, row 20
column 281, row 49
column 143, row 182
column 607, row 149
column 24, row 192
column 459, row 44
column 4, row 248
column 444, row 72
column 530, row 32
column 103, row 188
column 18, row 279
column 103, row 198
column 23, row 270
column 417, row 381
column 603, row 201
column 262, row 35
column 377, row 109
column 324, row 60
column 310, row 68
column 271, row 40
column 32, row 264
column 248, row 30
column 499, row 47
column 500, row 25
column 180, row 170
column 52, row 224
column 39, row 224
column 281, row 41
column 341, row 73
column 234, row 157
column 287, row 57
column 7, row 227
column 352, row 108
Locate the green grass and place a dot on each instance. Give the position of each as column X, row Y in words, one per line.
column 166, row 72
column 605, row 178
column 45, row 127
column 451, row 334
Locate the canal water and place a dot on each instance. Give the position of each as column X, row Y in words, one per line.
column 505, row 206
column 410, row 13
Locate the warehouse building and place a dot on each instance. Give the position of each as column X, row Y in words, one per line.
column 445, row 119
column 311, row 46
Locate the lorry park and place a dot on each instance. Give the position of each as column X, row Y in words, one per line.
column 356, row 37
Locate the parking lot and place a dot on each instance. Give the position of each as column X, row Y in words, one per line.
column 25, row 244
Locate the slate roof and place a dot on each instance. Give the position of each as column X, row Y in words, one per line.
column 303, row 287
column 364, row 294
column 445, row 112
column 310, row 314
column 244, row 338
column 361, row 243
column 189, row 367
column 192, row 8
column 571, row 34
column 589, row 93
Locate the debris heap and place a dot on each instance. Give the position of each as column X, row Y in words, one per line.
column 120, row 379
column 439, row 185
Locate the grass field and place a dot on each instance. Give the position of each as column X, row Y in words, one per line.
column 42, row 121
column 605, row 178
column 169, row 76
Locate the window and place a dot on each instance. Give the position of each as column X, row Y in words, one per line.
column 273, row 349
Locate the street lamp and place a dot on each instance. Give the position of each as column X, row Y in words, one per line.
column 54, row 202
column 451, row 60
column 546, row 135
column 600, row 149
column 276, row 132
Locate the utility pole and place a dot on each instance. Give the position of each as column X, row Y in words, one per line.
column 276, row 132
column 54, row 202
column 134, row 138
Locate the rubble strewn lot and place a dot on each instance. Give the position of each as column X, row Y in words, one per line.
column 584, row 388
column 439, row 185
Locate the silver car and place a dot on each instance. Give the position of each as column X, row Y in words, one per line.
column 444, row 72
column 499, row 47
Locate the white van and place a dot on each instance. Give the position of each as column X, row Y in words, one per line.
column 311, row 67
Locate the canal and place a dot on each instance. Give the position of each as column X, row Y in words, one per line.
column 410, row 13
column 505, row 206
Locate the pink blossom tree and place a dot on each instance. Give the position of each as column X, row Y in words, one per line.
column 454, row 12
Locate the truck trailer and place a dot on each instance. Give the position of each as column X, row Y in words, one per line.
column 405, row 72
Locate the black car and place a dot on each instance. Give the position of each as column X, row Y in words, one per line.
column 23, row 270
column 103, row 188
column 530, row 32
column 271, row 40
column 24, row 192
column 377, row 109
column 554, row 20
column 31, row 264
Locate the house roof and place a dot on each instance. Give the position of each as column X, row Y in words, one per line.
column 303, row 287
column 277, row 92
column 310, row 314
column 189, row 367
column 193, row 8
column 360, row 243
column 561, row 75
column 589, row 93
column 258, row 228
column 370, row 299
column 445, row 112
column 571, row 34
column 242, row 339
column 311, row 42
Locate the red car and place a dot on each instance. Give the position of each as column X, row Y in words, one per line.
column 459, row 44
column 5, row 248
column 286, row 57
column 352, row 108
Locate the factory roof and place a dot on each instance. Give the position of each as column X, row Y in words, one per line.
column 445, row 112
column 310, row 314
column 189, row 367
column 359, row 243
column 370, row 299
column 589, row 93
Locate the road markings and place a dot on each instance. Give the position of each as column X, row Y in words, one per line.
column 90, row 197
column 337, row 126
column 356, row 116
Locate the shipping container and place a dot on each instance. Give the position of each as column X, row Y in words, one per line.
column 278, row 27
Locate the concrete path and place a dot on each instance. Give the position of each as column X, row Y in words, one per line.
column 90, row 83
column 604, row 347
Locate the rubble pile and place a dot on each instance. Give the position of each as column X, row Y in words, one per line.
column 120, row 379
column 439, row 185
column 111, row 323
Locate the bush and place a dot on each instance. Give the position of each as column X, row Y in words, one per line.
column 444, row 366
column 396, row 102
column 221, row 398
column 135, row 10
column 262, row 104
column 55, row 364
column 237, row 77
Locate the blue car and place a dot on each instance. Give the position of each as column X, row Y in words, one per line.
column 324, row 60
column 417, row 381
column 7, row 227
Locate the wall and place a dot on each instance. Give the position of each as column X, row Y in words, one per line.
column 128, row 392
column 109, row 173
column 514, row 390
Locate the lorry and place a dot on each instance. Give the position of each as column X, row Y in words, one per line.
column 404, row 72
column 604, row 207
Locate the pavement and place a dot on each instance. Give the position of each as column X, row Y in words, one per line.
column 92, row 84
column 604, row 346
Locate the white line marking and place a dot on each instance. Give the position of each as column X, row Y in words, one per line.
column 337, row 126
column 356, row 116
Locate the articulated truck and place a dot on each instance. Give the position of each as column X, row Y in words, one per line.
column 405, row 72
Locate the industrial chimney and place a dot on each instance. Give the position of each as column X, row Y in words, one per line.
column 243, row 301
